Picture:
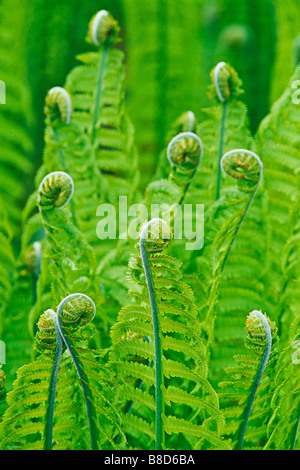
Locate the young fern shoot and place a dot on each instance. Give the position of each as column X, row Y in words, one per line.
column 55, row 190
column 48, row 339
column 253, row 325
column 58, row 111
column 226, row 85
column 73, row 311
column 155, row 237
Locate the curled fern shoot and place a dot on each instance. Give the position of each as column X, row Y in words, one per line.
column 74, row 311
column 184, row 153
column 2, row 384
column 102, row 29
column 47, row 339
column 55, row 190
column 155, row 237
column 226, row 85
column 246, row 167
column 253, row 326
column 58, row 106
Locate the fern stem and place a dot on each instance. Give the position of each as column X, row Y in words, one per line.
column 295, row 433
column 90, row 409
column 257, row 379
column 221, row 146
column 159, row 431
column 64, row 168
column 48, row 431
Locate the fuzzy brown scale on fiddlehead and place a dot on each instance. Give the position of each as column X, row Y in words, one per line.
column 103, row 29
column 226, row 83
column 78, row 311
column 58, row 106
column 184, row 153
column 55, row 190
column 45, row 338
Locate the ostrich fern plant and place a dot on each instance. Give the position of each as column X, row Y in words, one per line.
column 116, row 343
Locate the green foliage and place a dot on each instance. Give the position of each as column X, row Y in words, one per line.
column 23, row 425
column 113, row 344
column 241, row 384
column 197, row 421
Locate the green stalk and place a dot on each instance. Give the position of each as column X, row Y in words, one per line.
column 84, row 382
column 102, row 66
column 247, row 207
column 295, row 432
column 257, row 379
column 221, row 146
column 48, row 430
column 159, row 430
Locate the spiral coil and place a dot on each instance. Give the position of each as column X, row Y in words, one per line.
column 184, row 152
column 58, row 105
column 155, row 235
column 103, row 29
column 226, row 82
column 55, row 190
column 242, row 164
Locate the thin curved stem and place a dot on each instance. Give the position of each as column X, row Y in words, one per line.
column 48, row 430
column 221, row 145
column 63, row 165
column 102, row 65
column 257, row 379
column 159, row 430
column 88, row 397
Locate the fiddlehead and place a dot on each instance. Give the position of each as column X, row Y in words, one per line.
column 55, row 190
column 258, row 329
column 186, row 122
column 74, row 311
column 226, row 85
column 184, row 153
column 103, row 29
column 2, row 384
column 58, row 106
column 246, row 167
column 242, row 165
column 154, row 238
column 246, row 399
column 48, row 341
column 172, row 303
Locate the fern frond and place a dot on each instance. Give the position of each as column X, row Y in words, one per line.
column 179, row 354
column 244, row 397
